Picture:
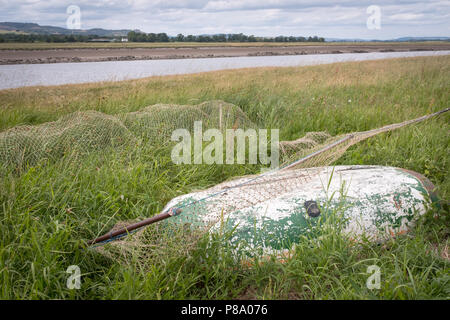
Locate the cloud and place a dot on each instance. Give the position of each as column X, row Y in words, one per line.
column 406, row 16
column 336, row 19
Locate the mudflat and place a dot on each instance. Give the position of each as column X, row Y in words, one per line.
column 186, row 52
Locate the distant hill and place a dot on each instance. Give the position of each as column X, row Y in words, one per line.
column 403, row 39
column 34, row 28
column 423, row 39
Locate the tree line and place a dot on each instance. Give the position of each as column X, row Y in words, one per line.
column 153, row 37
column 239, row 37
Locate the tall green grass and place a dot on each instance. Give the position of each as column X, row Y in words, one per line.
column 48, row 211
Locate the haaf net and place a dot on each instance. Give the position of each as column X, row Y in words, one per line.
column 91, row 131
column 82, row 133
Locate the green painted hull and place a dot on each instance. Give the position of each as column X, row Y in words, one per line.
column 274, row 212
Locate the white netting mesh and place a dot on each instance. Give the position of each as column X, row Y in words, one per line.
column 83, row 132
column 89, row 131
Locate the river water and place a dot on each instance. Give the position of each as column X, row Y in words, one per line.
column 21, row 75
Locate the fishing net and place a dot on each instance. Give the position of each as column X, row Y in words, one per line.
column 320, row 149
column 91, row 131
column 82, row 133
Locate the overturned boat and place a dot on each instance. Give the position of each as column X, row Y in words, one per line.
column 274, row 212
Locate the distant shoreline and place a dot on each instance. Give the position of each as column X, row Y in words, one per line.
column 126, row 53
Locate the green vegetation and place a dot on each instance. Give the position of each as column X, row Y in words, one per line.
column 48, row 211
column 15, row 37
column 18, row 37
column 162, row 37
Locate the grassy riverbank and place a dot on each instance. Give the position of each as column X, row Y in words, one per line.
column 48, row 211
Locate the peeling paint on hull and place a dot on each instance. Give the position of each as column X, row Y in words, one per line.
column 269, row 214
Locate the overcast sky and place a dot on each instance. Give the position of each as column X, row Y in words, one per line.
column 330, row 19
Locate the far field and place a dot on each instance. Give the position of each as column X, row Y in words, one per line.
column 49, row 210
